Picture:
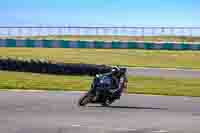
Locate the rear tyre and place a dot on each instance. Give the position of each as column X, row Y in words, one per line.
column 106, row 103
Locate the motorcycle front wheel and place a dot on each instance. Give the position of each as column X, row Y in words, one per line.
column 83, row 101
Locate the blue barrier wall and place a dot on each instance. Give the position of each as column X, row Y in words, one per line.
column 97, row 44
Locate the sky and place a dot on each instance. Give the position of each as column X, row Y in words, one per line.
column 100, row 12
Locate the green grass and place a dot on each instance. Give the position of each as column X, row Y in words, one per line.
column 26, row 81
column 123, row 57
column 139, row 85
column 113, row 38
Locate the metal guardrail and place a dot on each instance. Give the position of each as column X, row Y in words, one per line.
column 8, row 31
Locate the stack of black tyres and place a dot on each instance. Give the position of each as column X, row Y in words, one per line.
column 46, row 67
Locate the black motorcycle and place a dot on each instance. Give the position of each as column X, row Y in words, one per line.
column 101, row 92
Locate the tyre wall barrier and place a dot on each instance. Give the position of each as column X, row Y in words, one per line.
column 98, row 44
column 38, row 66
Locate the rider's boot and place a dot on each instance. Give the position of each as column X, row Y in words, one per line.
column 117, row 94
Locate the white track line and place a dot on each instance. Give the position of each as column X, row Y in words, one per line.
column 94, row 127
column 160, row 131
column 76, row 125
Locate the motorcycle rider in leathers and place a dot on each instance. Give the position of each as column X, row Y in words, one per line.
column 120, row 82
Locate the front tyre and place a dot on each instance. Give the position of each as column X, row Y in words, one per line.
column 83, row 101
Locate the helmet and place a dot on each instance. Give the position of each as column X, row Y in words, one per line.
column 115, row 70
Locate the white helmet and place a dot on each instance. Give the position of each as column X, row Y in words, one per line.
column 115, row 70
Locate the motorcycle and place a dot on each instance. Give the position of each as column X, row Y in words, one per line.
column 101, row 92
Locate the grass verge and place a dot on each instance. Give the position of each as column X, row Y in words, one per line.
column 123, row 57
column 139, row 85
column 116, row 38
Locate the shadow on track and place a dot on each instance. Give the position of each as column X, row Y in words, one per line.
column 129, row 107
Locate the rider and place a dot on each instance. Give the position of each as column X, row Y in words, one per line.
column 120, row 81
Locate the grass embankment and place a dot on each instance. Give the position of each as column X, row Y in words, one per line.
column 140, row 85
column 123, row 57
column 116, row 38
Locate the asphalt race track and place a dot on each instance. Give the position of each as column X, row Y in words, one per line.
column 177, row 73
column 57, row 112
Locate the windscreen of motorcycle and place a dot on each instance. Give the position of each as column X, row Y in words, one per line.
column 105, row 82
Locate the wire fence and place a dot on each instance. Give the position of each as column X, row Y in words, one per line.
column 13, row 31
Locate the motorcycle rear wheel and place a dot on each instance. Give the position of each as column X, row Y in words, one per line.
column 106, row 103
